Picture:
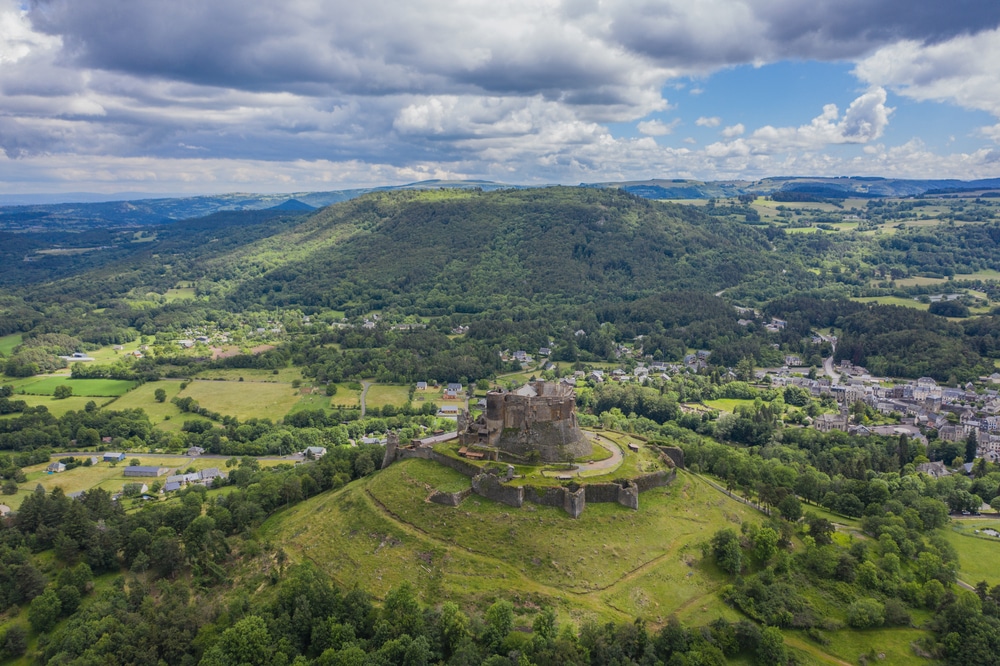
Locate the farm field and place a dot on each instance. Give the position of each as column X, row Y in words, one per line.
column 728, row 404
column 284, row 375
column 179, row 293
column 977, row 556
column 58, row 407
column 8, row 342
column 244, row 400
column 380, row 395
column 163, row 415
column 46, row 385
column 346, row 396
column 893, row 300
column 310, row 401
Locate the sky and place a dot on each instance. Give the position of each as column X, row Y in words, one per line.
column 212, row 96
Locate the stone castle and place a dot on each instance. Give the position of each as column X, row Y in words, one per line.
column 536, row 423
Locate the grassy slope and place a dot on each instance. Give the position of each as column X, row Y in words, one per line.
column 977, row 555
column 612, row 562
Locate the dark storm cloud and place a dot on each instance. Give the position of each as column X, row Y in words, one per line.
column 713, row 33
column 383, row 47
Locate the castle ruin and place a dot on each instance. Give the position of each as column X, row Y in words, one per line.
column 536, row 423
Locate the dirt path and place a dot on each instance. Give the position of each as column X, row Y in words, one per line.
column 814, row 651
column 364, row 392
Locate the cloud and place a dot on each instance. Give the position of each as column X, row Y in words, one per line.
column 733, row 130
column 961, row 70
column 865, row 120
column 520, row 93
column 657, row 127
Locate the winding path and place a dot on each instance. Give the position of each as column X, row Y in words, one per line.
column 608, row 463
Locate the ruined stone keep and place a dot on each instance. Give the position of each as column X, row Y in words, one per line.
column 535, row 423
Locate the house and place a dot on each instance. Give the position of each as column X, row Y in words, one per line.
column 209, row 474
column 114, row 457
column 828, row 422
column 94, row 460
column 56, row 467
column 448, row 410
column 195, row 451
column 951, row 433
column 454, row 386
column 191, row 477
column 596, row 376
column 107, row 440
column 421, row 386
column 171, row 486
column 146, row 470
column 314, row 452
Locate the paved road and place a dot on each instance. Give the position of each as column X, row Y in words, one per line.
column 828, row 362
column 212, row 456
column 608, row 463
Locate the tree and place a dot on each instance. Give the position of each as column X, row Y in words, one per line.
column 995, row 503
column 771, row 649
column 865, row 614
column 820, row 529
column 44, row 610
column 62, row 391
column 246, row 642
column 726, row 548
column 15, row 641
column 790, row 508
column 160, row 395
column 9, row 487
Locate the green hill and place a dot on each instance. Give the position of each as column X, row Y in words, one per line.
column 612, row 562
column 470, row 249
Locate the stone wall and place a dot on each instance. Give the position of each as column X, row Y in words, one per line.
column 450, row 499
column 546, row 496
column 489, row 486
column 460, row 466
column 654, row 480
column 602, row 493
column 675, row 455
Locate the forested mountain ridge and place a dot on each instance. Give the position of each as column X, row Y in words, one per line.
column 469, row 249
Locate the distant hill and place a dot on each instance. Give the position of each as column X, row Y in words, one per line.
column 294, row 205
column 139, row 212
column 853, row 187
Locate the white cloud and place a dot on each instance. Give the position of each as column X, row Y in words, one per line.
column 865, row 120
column 398, row 91
column 733, row 130
column 658, row 127
column 962, row 70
